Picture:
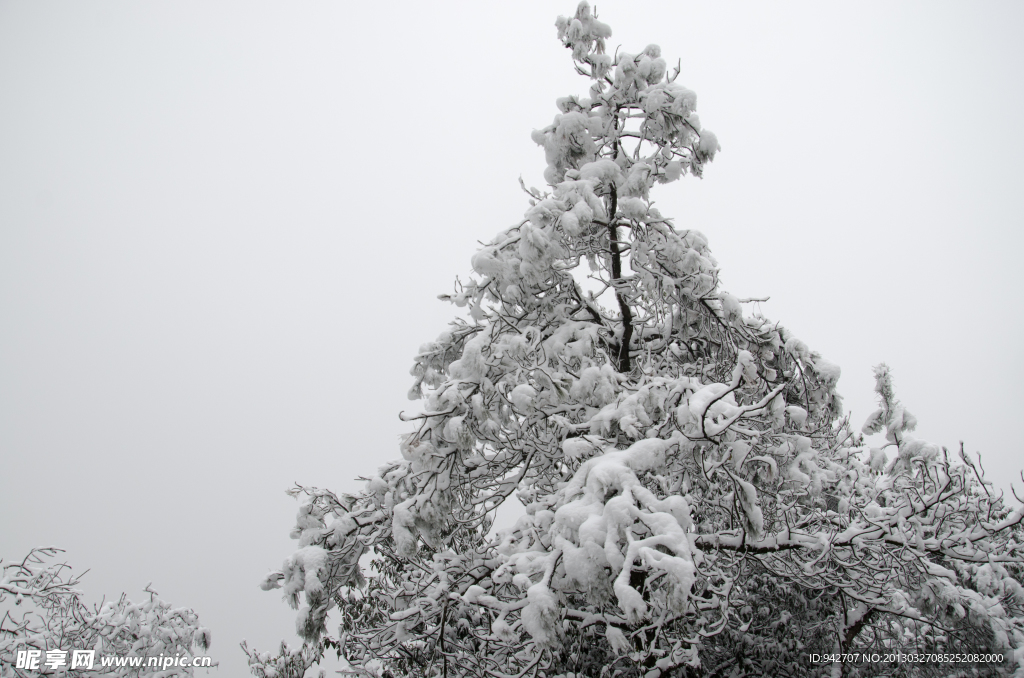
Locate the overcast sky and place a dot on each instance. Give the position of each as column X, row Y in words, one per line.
column 223, row 227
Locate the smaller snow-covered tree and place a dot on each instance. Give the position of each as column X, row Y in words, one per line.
column 43, row 611
column 695, row 503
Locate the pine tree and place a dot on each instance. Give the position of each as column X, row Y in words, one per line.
column 695, row 502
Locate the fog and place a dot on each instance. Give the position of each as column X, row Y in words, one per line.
column 224, row 227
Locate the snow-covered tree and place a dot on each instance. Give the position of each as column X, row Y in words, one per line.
column 695, row 502
column 43, row 611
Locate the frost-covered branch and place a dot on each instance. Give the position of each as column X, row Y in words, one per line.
column 48, row 614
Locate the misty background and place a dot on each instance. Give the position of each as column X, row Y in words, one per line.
column 224, row 225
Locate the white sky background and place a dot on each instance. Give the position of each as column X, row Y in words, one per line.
column 223, row 227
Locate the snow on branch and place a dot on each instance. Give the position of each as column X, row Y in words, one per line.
column 692, row 495
column 48, row 614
